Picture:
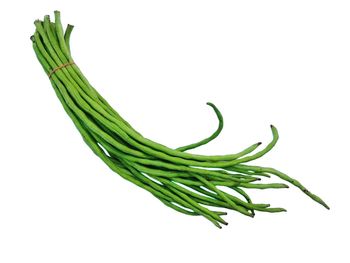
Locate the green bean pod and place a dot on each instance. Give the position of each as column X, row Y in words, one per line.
column 191, row 184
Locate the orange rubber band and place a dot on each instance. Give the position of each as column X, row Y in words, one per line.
column 61, row 67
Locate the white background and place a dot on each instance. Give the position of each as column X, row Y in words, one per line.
column 158, row 63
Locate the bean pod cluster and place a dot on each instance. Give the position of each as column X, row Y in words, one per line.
column 192, row 184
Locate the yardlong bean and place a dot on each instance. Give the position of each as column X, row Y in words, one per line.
column 189, row 183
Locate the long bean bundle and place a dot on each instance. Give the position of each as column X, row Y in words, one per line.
column 189, row 183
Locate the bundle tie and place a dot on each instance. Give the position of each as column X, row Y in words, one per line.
column 60, row 67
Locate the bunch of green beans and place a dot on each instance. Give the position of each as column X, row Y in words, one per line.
column 188, row 183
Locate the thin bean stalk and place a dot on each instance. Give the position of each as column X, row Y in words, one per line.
column 192, row 184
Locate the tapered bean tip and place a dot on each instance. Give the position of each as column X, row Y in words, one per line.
column 32, row 38
column 274, row 131
column 259, row 143
column 250, row 214
column 325, row 205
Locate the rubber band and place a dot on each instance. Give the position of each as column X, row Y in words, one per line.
column 60, row 67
